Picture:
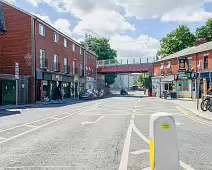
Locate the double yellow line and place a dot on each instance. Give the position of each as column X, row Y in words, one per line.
column 194, row 118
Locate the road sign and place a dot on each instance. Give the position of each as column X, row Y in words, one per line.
column 16, row 70
column 163, row 142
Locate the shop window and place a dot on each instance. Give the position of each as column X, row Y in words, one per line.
column 206, row 62
column 183, row 86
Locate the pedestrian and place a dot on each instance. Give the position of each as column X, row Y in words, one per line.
column 209, row 91
column 144, row 91
column 62, row 93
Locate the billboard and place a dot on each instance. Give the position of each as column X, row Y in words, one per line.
column 2, row 20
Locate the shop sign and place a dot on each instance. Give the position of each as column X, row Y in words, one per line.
column 45, row 82
column 184, row 76
column 56, row 77
column 182, row 64
column 76, row 78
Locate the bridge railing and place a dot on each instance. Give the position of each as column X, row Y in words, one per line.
column 115, row 62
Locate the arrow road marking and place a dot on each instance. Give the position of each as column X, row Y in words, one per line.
column 87, row 122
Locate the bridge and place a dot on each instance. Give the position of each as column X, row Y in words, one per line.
column 125, row 66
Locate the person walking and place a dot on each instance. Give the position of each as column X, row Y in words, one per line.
column 62, row 93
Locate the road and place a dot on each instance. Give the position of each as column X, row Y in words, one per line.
column 107, row 134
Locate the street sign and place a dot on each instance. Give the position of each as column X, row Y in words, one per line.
column 16, row 70
column 163, row 142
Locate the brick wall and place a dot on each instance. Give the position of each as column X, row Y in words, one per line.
column 16, row 44
column 174, row 63
column 47, row 43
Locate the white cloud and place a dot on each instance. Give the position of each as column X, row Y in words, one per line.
column 11, row 1
column 178, row 16
column 106, row 23
column 35, row 3
column 61, row 24
column 129, row 48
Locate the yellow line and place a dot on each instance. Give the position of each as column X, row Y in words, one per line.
column 192, row 117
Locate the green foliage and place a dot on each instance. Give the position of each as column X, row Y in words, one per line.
column 175, row 41
column 205, row 31
column 101, row 47
column 144, row 81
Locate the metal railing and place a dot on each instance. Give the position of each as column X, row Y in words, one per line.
column 119, row 62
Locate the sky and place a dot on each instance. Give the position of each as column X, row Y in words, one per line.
column 134, row 27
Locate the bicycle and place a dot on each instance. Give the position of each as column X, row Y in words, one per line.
column 206, row 104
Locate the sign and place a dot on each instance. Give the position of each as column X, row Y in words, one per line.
column 163, row 144
column 56, row 77
column 90, row 79
column 183, row 76
column 2, row 21
column 22, row 86
column 16, row 70
column 76, row 78
column 182, row 64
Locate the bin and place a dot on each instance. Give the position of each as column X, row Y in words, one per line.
column 173, row 95
column 165, row 94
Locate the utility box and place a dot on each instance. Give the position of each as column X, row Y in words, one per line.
column 164, row 154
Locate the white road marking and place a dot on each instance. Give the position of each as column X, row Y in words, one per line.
column 133, row 116
column 179, row 123
column 185, row 166
column 148, row 168
column 87, row 122
column 30, row 126
column 39, row 127
column 140, row 152
column 51, row 117
column 2, row 138
column 98, row 105
column 125, row 152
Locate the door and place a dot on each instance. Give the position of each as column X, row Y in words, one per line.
column 38, row 90
column 8, row 92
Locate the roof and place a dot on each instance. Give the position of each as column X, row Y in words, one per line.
column 188, row 51
column 40, row 20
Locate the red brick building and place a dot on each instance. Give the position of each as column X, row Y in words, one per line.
column 180, row 71
column 48, row 59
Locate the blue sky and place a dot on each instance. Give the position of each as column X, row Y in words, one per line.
column 134, row 27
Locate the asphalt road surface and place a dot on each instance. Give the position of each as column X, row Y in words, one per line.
column 107, row 134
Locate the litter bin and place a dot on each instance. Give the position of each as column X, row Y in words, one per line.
column 165, row 94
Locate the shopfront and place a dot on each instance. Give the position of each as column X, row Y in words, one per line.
column 162, row 83
column 185, row 85
column 67, row 81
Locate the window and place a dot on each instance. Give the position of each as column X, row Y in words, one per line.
column 169, row 67
column 74, row 47
column 56, row 37
column 55, row 59
column 65, row 65
column 190, row 64
column 56, row 64
column 81, row 72
column 162, row 69
column 80, row 50
column 206, row 62
column 42, row 58
column 183, row 86
column 74, row 67
column 65, row 43
column 41, row 30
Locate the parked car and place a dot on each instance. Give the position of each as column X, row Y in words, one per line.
column 88, row 94
column 123, row 92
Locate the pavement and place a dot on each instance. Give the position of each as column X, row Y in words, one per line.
column 106, row 134
column 191, row 105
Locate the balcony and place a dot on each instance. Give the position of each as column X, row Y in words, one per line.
column 56, row 66
column 43, row 63
column 75, row 71
column 82, row 73
column 66, row 69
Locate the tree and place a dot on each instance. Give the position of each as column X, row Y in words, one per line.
column 175, row 41
column 101, row 47
column 144, row 81
column 205, row 32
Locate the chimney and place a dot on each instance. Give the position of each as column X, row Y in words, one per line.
column 201, row 41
